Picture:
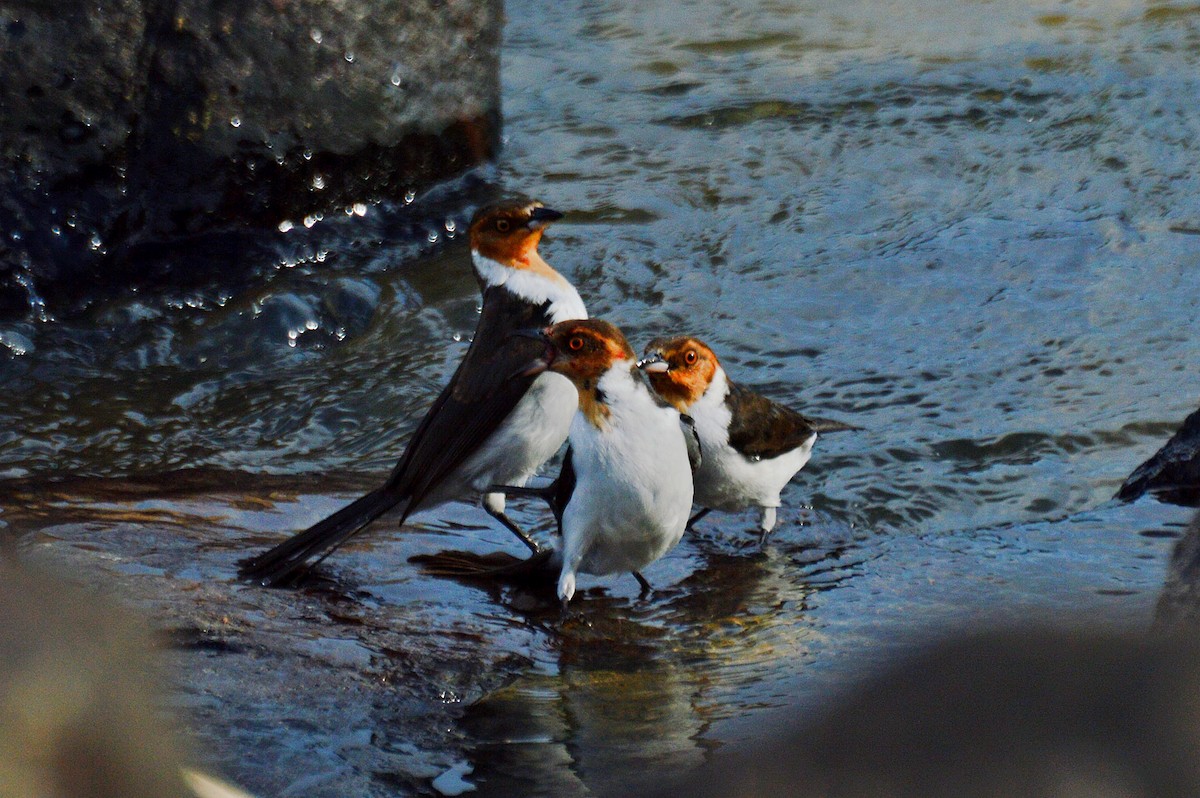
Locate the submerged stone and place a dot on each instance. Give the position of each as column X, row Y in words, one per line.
column 1173, row 473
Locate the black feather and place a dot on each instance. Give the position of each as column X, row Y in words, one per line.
column 556, row 494
column 480, row 395
column 765, row 429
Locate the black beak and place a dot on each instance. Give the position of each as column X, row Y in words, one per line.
column 539, row 217
column 653, row 363
column 538, row 365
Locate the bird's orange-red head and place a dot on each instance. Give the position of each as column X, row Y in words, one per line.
column 508, row 232
column 584, row 349
column 680, row 369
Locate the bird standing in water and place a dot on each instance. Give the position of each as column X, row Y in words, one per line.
column 752, row 446
column 626, row 490
column 491, row 424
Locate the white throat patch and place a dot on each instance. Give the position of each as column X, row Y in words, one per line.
column 565, row 302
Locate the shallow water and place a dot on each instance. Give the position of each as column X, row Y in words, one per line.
column 969, row 228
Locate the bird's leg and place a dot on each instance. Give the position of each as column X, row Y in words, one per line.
column 646, row 589
column 766, row 524
column 692, row 521
column 547, row 493
column 566, row 585
column 494, row 504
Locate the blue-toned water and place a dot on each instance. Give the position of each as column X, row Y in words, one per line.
column 971, row 229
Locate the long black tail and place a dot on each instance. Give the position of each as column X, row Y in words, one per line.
column 282, row 564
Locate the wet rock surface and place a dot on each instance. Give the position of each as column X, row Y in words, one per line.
column 324, row 690
column 1173, row 473
column 141, row 138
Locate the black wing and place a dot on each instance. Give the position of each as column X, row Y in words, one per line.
column 765, row 429
column 562, row 488
column 480, row 395
column 483, row 391
column 692, row 439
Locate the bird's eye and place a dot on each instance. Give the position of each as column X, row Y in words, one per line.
column 575, row 344
column 503, row 225
column 690, row 357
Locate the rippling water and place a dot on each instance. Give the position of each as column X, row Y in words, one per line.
column 971, row 229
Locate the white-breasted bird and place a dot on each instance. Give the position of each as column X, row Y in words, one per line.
column 491, row 424
column 752, row 445
column 626, row 487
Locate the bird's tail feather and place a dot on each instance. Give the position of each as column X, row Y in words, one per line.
column 829, row 425
column 289, row 559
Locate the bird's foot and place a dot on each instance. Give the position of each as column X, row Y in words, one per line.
column 766, row 525
column 511, row 526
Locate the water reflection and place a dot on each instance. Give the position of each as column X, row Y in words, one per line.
column 623, row 687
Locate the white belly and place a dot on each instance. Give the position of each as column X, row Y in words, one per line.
column 632, row 496
column 532, row 433
column 729, row 481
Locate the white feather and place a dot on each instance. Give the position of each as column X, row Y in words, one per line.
column 528, row 437
column 565, row 303
column 727, row 479
column 633, row 486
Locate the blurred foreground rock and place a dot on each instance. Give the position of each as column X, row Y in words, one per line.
column 1173, row 473
column 133, row 132
column 1070, row 714
column 79, row 709
column 1178, row 609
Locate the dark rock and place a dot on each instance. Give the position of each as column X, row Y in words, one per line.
column 134, row 131
column 1173, row 473
column 1031, row 713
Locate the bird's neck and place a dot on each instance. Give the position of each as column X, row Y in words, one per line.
column 533, row 281
column 616, row 389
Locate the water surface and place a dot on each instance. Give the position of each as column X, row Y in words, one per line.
column 969, row 228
